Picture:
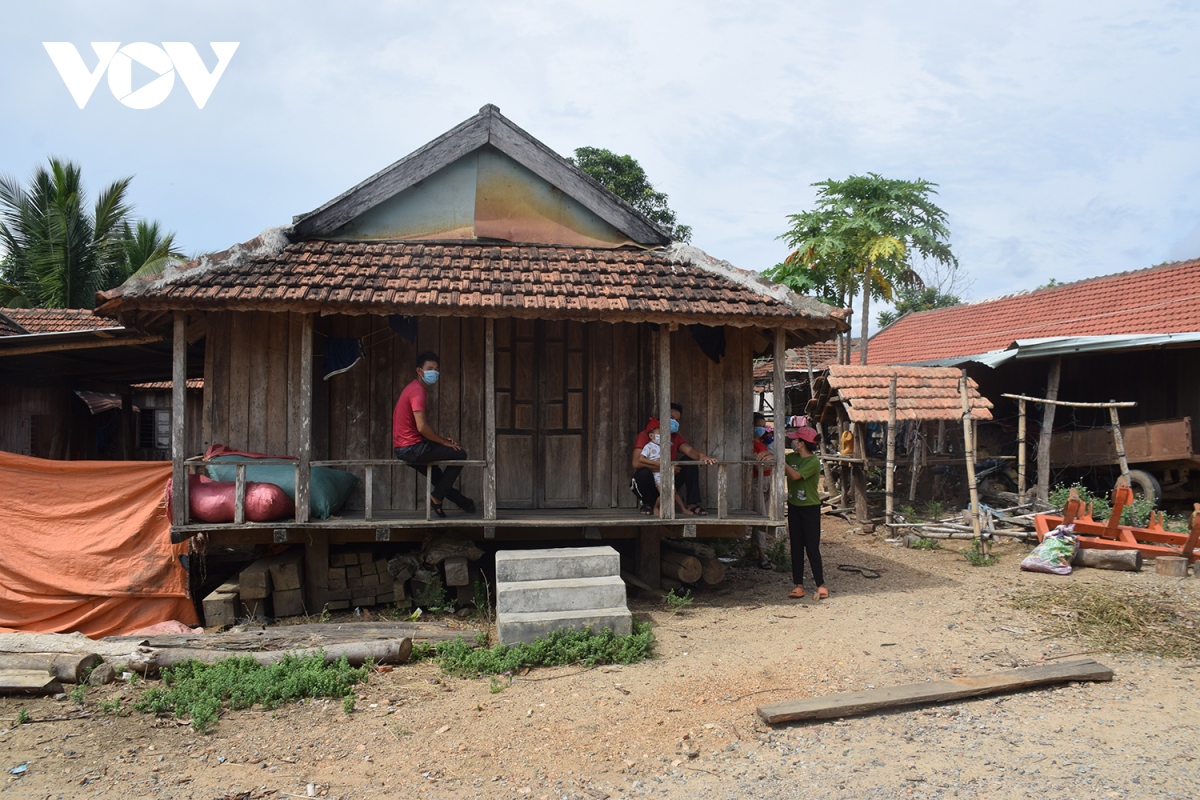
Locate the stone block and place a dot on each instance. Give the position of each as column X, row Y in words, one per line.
column 525, row 627
column 556, row 563
column 568, row 594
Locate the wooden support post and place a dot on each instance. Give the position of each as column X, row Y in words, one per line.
column 305, row 401
column 890, row 475
column 779, row 393
column 939, row 444
column 1118, row 440
column 858, row 475
column 428, row 492
column 819, row 426
column 489, row 402
column 666, row 505
column 1021, row 452
column 368, row 492
column 916, row 460
column 649, row 556
column 316, row 570
column 179, row 498
column 1044, row 438
column 722, row 491
column 969, row 450
column 239, row 493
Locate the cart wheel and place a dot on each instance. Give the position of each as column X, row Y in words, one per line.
column 1145, row 485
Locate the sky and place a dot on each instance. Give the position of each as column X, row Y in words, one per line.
column 1064, row 137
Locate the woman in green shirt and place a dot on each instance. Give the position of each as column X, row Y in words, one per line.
column 803, row 470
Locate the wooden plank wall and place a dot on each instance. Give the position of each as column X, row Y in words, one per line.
column 18, row 405
column 253, row 371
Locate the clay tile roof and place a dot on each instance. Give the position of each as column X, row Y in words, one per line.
column 157, row 386
column 431, row 278
column 8, row 327
column 1162, row 299
column 822, row 355
column 922, row 393
column 57, row 320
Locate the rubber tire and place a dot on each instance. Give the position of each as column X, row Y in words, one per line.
column 1145, row 485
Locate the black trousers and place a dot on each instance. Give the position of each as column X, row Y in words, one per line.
column 804, row 531
column 687, row 484
column 419, row 454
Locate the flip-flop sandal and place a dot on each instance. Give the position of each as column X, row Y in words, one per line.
column 822, row 593
column 699, row 512
column 766, row 564
column 797, row 593
column 647, row 511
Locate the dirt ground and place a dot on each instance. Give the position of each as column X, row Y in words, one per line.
column 684, row 723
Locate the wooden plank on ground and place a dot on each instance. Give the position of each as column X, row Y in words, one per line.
column 28, row 681
column 848, row 704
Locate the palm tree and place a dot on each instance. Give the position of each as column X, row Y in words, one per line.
column 148, row 251
column 58, row 253
column 862, row 234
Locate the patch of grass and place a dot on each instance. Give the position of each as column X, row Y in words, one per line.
column 678, row 602
column 779, row 554
column 422, row 651
column 496, row 687
column 113, row 706
column 23, row 716
column 923, row 543
column 197, row 690
column 77, row 694
column 348, row 704
column 556, row 650
column 1119, row 620
column 1136, row 514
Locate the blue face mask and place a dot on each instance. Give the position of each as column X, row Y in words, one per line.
column 674, row 426
column 430, row 376
column 759, row 430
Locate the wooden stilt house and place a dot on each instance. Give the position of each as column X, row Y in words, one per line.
column 563, row 318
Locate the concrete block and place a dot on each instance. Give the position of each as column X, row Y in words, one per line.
column 556, row 563
column 570, row 594
column 513, row 628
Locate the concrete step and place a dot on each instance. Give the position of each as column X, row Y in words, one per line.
column 570, row 594
column 513, row 628
column 556, row 563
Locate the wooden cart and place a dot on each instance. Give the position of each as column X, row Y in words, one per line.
column 1161, row 455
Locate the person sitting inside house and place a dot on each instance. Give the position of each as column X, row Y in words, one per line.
column 652, row 454
column 417, row 443
column 762, row 444
column 688, row 477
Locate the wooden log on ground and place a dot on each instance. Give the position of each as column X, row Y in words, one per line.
column 680, row 567
column 690, row 547
column 1128, row 560
column 713, row 571
column 69, row 643
column 670, row 584
column 64, row 667
column 388, row 651
column 28, row 681
column 1172, row 566
column 848, row 704
column 288, row 637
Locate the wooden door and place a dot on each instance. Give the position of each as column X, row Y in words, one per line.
column 540, row 443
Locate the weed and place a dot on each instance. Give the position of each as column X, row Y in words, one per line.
column 432, row 596
column 325, row 615
column 422, row 651
column 1138, row 513
column 979, row 558
column 201, row 690
column 558, row 649
column 496, row 687
column 678, row 602
column 23, row 716
column 779, row 554
column 935, row 510
column 77, row 694
column 1119, row 620
column 135, row 680
column 483, row 599
column 922, row 543
column 348, row 704
column 113, row 706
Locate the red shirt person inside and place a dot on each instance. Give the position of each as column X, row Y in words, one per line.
column 417, row 443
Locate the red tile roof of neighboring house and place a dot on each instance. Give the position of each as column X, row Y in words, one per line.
column 509, row 280
column 922, row 393
column 1162, row 299
column 821, row 354
column 8, row 327
column 57, row 320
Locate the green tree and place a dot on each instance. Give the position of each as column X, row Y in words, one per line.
column 910, row 299
column 624, row 177
column 59, row 252
column 862, row 235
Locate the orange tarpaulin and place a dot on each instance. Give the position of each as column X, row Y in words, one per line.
column 86, row 546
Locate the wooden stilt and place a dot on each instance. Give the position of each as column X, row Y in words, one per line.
column 969, row 451
column 1044, row 438
column 179, row 498
column 779, row 392
column 890, row 476
column 1021, row 452
column 305, row 402
column 316, row 570
column 667, row 503
column 489, row 394
column 1118, row 440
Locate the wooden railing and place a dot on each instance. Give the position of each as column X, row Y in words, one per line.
column 369, row 465
column 723, row 481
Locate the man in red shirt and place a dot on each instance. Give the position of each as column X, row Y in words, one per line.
column 687, row 481
column 417, row 443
